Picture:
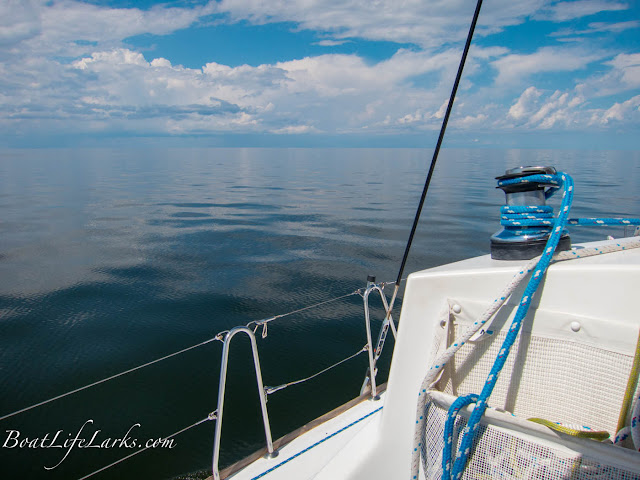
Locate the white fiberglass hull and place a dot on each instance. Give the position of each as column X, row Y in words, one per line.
column 588, row 302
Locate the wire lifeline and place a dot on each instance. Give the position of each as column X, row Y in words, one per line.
column 265, row 321
column 112, row 377
column 211, row 416
column 270, row 390
column 218, row 337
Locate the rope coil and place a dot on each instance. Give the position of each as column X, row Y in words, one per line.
column 455, row 471
column 531, row 216
column 542, row 215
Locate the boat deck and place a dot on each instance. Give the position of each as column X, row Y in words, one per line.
column 583, row 303
column 310, row 443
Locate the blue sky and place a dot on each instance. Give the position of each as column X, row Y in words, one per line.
column 544, row 74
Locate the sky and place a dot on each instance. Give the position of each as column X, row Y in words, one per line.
column 306, row 73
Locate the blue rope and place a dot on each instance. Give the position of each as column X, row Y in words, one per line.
column 542, row 216
column 456, row 406
column 515, row 217
column 604, row 221
column 480, row 401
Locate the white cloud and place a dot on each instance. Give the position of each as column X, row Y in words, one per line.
column 120, row 56
column 622, row 76
column 629, row 67
column 74, row 28
column 621, row 111
column 295, row 129
column 598, row 27
column 429, row 24
column 331, row 43
column 514, row 67
column 472, row 120
column 442, row 110
column 66, row 66
column 19, row 20
column 569, row 110
column 485, row 53
column 335, row 90
column 119, row 85
column 552, row 111
column 73, row 20
column 563, row 11
column 160, row 63
column 525, row 104
column 417, row 116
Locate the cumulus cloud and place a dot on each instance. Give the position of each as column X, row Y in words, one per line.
column 120, row 56
column 554, row 110
column 65, row 64
column 120, row 84
column 442, row 110
column 620, row 112
column 569, row 110
column 535, row 109
column 525, row 104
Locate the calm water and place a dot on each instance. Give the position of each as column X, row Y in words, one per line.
column 110, row 259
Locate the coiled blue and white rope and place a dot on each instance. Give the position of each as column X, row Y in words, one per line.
column 537, row 216
column 455, row 471
column 516, row 216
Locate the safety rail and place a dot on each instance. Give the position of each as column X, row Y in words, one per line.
column 250, row 330
column 221, row 389
column 374, row 354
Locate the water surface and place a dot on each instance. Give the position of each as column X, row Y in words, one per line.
column 112, row 258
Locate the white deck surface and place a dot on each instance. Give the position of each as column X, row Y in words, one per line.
column 306, row 456
column 367, row 442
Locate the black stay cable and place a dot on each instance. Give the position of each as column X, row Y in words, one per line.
column 445, row 121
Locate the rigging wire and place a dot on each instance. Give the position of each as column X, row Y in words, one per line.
column 264, row 321
column 218, row 337
column 436, row 152
column 211, row 416
column 44, row 402
column 270, row 390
